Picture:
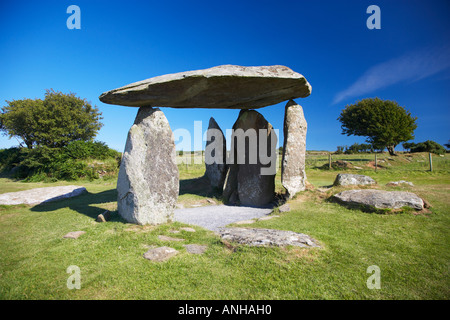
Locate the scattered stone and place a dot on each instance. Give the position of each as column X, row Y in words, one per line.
column 166, row 238
column 103, row 217
column 245, row 222
column 148, row 177
column 211, row 201
column 160, row 254
column 74, row 234
column 215, row 155
column 284, row 208
column 269, row 217
column 293, row 175
column 187, row 229
column 195, row 248
column 40, row 195
column 267, row 237
column 174, row 231
column 249, row 181
column 380, row 199
column 346, row 179
column 397, row 183
column 227, row 86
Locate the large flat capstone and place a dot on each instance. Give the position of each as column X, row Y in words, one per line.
column 226, row 87
column 148, row 181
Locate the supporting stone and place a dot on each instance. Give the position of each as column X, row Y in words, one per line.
column 215, row 155
column 293, row 175
column 148, row 177
column 251, row 177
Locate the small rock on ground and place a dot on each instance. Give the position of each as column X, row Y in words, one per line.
column 160, row 254
column 267, row 237
column 195, row 248
column 187, row 229
column 269, row 217
column 166, row 238
column 74, row 234
column 284, row 208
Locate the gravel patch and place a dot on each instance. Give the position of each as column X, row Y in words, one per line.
column 215, row 217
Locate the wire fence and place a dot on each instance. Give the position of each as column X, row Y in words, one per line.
column 331, row 161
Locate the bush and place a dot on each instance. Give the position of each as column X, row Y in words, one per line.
column 427, row 146
column 67, row 163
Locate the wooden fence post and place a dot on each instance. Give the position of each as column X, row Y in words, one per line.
column 431, row 161
column 376, row 163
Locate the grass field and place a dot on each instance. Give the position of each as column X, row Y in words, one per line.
column 411, row 250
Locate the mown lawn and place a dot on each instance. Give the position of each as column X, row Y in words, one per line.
column 411, row 250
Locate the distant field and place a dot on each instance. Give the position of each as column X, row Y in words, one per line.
column 411, row 250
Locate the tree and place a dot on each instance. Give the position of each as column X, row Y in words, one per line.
column 385, row 123
column 447, row 145
column 53, row 122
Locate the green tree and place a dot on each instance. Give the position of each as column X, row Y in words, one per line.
column 428, row 146
column 385, row 123
column 53, row 122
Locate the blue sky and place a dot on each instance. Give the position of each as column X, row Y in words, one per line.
column 407, row 60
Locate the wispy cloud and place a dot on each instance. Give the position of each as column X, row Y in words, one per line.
column 409, row 67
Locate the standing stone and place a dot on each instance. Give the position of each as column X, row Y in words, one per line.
column 215, row 155
column 251, row 179
column 148, row 177
column 293, row 176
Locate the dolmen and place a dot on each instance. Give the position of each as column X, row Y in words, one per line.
column 148, row 177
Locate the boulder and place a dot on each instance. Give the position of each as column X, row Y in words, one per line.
column 347, row 179
column 226, row 87
column 41, row 195
column 251, row 177
column 148, row 179
column 267, row 237
column 379, row 199
column 215, row 155
column 293, row 175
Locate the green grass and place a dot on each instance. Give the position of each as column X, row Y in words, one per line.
column 411, row 250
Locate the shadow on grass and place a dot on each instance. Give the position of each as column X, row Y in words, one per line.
column 84, row 204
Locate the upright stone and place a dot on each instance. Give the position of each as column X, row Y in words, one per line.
column 148, row 177
column 293, row 176
column 251, row 178
column 215, row 155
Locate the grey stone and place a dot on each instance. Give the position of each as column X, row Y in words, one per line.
column 74, row 234
column 195, row 248
column 187, row 229
column 293, row 175
column 397, row 183
column 148, row 177
column 346, row 179
column 227, row 86
column 166, row 238
column 215, row 155
column 251, row 180
column 284, row 208
column 269, row 217
column 380, row 199
column 267, row 237
column 41, row 195
column 160, row 254
column 245, row 222
column 103, row 217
